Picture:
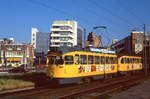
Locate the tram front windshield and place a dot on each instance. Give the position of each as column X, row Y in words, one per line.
column 55, row 60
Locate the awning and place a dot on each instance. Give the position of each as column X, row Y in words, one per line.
column 13, row 59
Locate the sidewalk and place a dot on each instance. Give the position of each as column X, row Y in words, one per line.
column 141, row 91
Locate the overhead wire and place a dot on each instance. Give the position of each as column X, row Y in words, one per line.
column 110, row 12
column 88, row 10
column 69, row 14
column 123, row 6
column 59, row 10
column 97, row 14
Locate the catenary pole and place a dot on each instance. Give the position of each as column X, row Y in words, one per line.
column 145, row 58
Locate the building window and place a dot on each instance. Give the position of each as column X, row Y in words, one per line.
column 57, row 43
column 65, row 27
column 55, row 26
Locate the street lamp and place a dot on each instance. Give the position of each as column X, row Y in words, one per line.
column 100, row 27
column 104, row 27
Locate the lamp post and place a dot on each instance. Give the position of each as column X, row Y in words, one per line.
column 144, row 53
column 96, row 27
column 100, row 27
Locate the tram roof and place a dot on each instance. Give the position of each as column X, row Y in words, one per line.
column 64, row 50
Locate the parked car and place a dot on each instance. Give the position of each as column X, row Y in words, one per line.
column 21, row 69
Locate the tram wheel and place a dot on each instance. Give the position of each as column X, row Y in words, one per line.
column 81, row 81
column 87, row 80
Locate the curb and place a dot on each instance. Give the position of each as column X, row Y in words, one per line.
column 16, row 90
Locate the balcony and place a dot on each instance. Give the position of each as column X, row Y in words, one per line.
column 58, row 29
column 53, row 40
column 54, row 45
column 62, row 35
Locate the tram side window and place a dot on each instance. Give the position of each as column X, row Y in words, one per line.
column 107, row 60
column 122, row 60
column 116, row 60
column 97, row 60
column 102, row 60
column 136, row 60
column 125, row 60
column 76, row 59
column 68, row 59
column 112, row 60
column 133, row 60
column 141, row 61
column 90, row 59
column 83, row 59
column 130, row 60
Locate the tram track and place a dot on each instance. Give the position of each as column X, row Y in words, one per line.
column 76, row 90
column 106, row 88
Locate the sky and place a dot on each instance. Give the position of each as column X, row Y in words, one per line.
column 17, row 17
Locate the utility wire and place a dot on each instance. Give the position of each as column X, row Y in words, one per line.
column 129, row 11
column 58, row 10
column 96, row 14
column 88, row 10
column 110, row 12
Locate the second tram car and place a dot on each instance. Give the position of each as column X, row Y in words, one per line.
column 129, row 63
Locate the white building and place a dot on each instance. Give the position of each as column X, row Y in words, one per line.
column 40, row 41
column 66, row 33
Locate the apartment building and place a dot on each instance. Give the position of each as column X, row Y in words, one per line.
column 66, row 33
column 40, row 41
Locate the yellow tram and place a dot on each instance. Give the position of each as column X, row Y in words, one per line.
column 71, row 67
column 129, row 63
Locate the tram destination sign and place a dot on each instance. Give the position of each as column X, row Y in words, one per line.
column 106, row 51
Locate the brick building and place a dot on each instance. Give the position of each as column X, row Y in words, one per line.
column 132, row 44
column 93, row 40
